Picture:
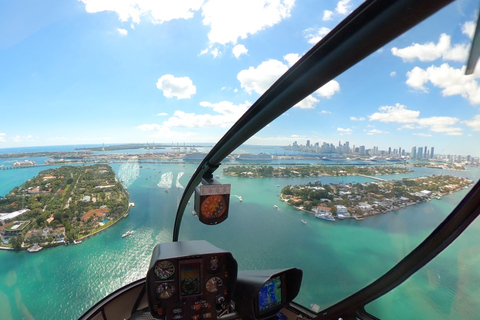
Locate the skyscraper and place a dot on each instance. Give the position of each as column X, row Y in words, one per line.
column 413, row 153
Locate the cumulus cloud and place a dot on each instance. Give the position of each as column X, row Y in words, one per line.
column 156, row 11
column 431, row 51
column 411, row 120
column 452, row 81
column 238, row 50
column 259, row 79
column 122, row 32
column 468, row 29
column 314, row 35
column 224, row 115
column 327, row 15
column 231, row 20
column 345, row 130
column 328, row 89
column 357, row 119
column 474, row 123
column 291, row 58
column 376, row 131
column 181, row 88
column 162, row 114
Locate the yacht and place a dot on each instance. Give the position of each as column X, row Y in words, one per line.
column 34, row 248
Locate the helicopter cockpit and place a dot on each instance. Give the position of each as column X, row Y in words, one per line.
column 196, row 280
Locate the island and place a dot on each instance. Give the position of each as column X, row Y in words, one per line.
column 62, row 206
column 360, row 200
column 313, row 171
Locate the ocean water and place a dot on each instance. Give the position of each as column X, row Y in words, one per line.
column 337, row 258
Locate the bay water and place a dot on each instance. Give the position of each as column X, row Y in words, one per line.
column 337, row 258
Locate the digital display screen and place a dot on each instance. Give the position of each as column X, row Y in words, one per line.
column 189, row 278
column 270, row 295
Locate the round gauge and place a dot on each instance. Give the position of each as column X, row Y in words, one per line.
column 165, row 290
column 213, row 206
column 214, row 264
column 213, row 284
column 190, row 286
column 164, row 269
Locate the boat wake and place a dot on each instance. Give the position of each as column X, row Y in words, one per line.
column 178, row 185
column 128, row 172
column 166, row 180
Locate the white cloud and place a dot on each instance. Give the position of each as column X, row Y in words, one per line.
column 315, row 35
column 474, row 123
column 291, row 58
column 452, row 81
column 325, row 112
column 431, row 51
column 2, row 137
column 156, row 11
column 231, row 20
column 308, row 102
column 411, row 120
column 328, row 89
column 357, row 119
column 261, row 78
column 122, row 32
column 181, row 88
column 224, row 116
column 398, row 113
column 376, row 131
column 162, row 114
column 343, row 7
column 421, row 134
column 327, row 15
column 393, row 74
column 238, row 50
column 345, row 131
column 468, row 28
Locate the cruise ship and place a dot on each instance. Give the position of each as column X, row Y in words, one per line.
column 254, row 157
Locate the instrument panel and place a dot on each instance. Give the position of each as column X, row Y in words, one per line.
column 190, row 280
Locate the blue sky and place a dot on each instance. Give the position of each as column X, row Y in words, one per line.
column 105, row 71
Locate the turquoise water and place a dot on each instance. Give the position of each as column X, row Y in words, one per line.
column 337, row 258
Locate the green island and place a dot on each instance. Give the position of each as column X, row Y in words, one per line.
column 312, row 171
column 359, row 200
column 62, row 205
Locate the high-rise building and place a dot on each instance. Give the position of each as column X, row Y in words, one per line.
column 432, row 152
column 308, row 143
column 362, row 150
column 420, row 153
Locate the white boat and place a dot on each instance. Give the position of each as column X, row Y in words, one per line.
column 240, row 198
column 34, row 248
column 324, row 216
column 77, row 241
column 128, row 233
column 275, row 206
column 304, row 221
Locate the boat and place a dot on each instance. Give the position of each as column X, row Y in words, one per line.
column 324, row 216
column 275, row 206
column 240, row 198
column 304, row 221
column 77, row 241
column 166, row 190
column 128, row 233
column 34, row 248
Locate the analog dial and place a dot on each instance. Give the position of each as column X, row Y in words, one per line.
column 213, row 206
column 213, row 284
column 164, row 269
column 165, row 290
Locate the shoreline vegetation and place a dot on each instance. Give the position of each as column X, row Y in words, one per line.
column 355, row 200
column 360, row 200
column 62, row 206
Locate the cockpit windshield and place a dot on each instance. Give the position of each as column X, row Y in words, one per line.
column 109, row 108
